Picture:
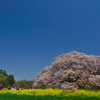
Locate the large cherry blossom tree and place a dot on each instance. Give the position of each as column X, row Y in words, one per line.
column 71, row 71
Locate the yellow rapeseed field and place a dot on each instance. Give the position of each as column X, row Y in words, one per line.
column 53, row 92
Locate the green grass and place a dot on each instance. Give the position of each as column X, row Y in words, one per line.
column 49, row 94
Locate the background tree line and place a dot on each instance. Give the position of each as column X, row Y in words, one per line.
column 8, row 81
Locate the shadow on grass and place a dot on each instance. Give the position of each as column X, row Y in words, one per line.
column 9, row 96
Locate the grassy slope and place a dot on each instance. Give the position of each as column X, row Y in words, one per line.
column 29, row 97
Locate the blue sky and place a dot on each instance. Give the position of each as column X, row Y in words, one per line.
column 33, row 32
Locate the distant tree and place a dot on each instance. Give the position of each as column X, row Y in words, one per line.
column 3, row 72
column 2, row 80
column 16, row 85
column 6, row 80
column 10, row 81
column 72, row 71
column 30, row 84
column 23, row 84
